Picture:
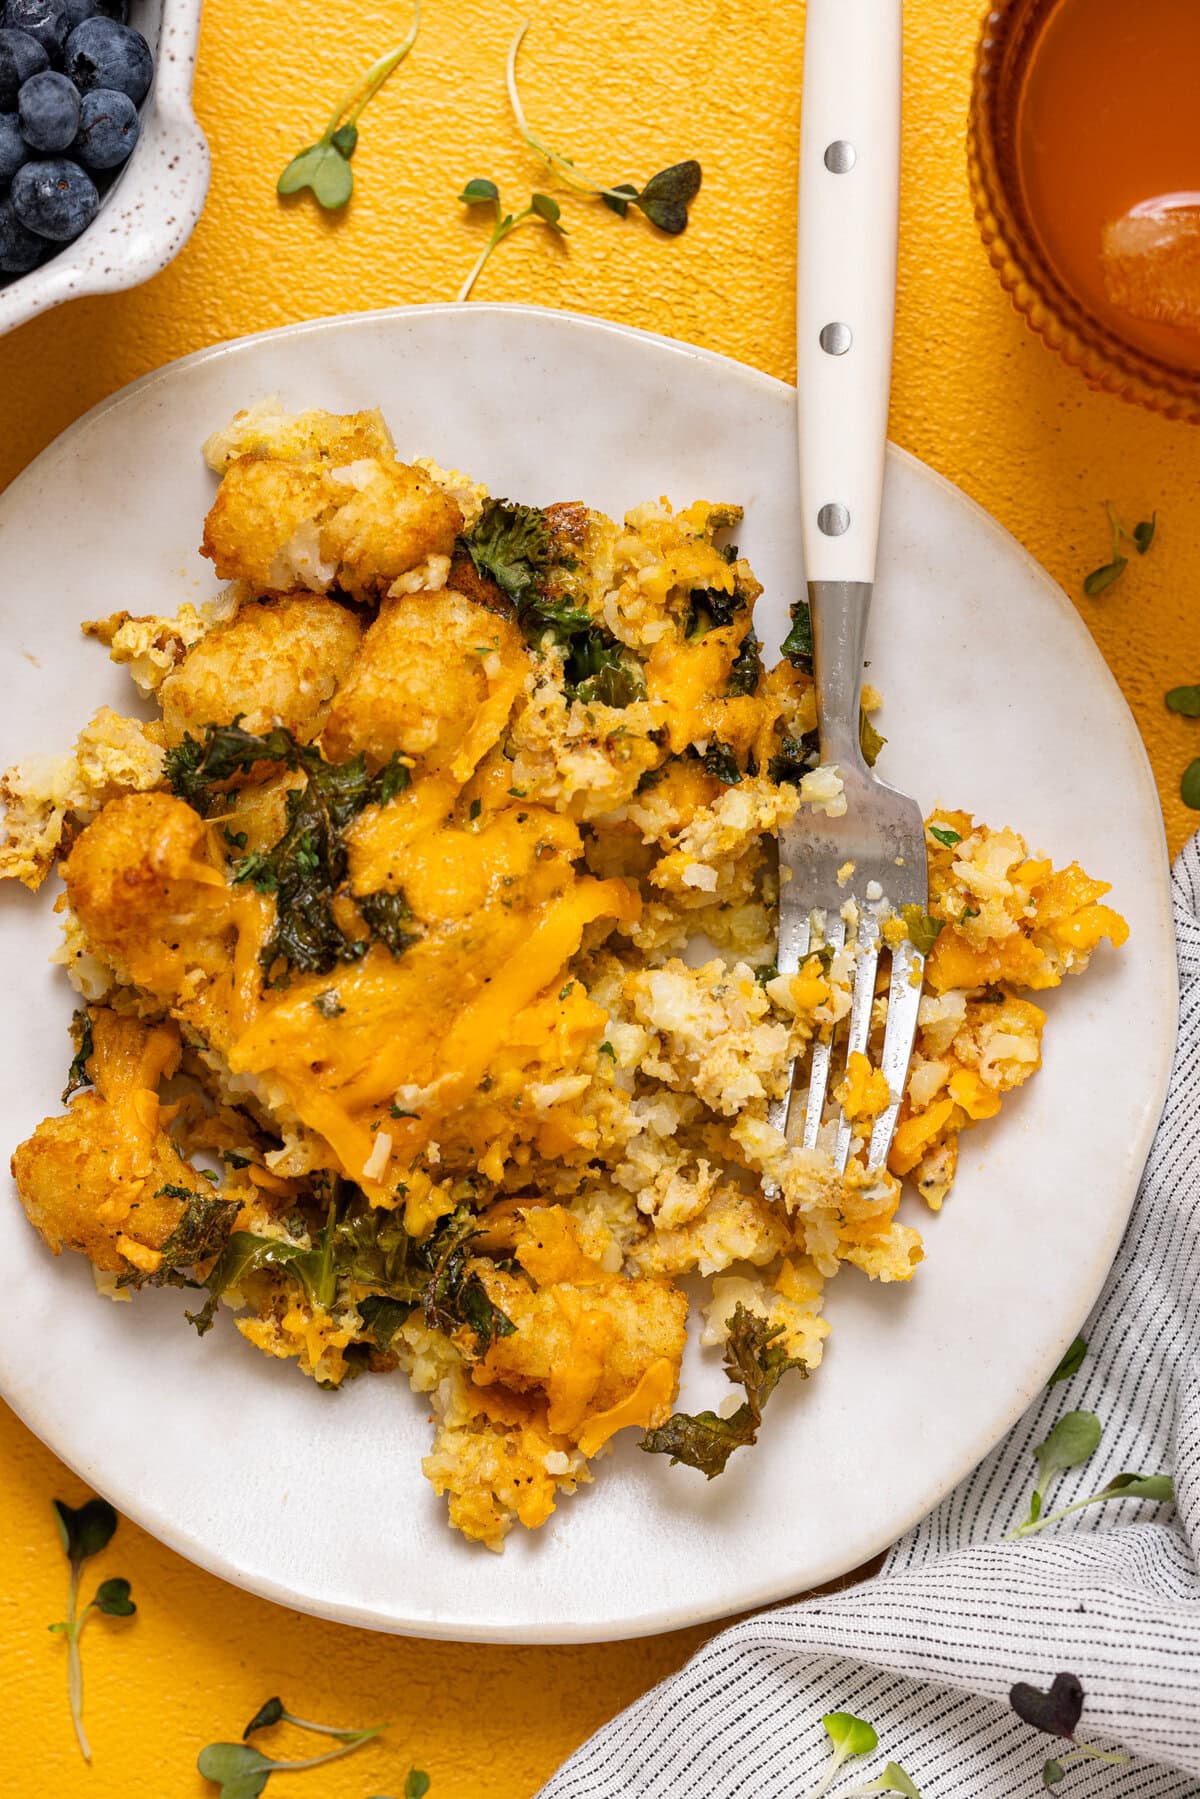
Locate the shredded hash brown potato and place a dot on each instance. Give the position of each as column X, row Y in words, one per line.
column 391, row 1042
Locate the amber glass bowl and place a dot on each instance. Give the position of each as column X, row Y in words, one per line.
column 1007, row 40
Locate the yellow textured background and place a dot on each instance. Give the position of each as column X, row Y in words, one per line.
column 626, row 88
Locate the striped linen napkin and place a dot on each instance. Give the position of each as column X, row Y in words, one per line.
column 928, row 1650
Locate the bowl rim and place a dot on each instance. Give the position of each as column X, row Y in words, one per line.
column 144, row 227
column 1048, row 307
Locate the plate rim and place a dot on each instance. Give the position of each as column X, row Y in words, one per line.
column 780, row 1588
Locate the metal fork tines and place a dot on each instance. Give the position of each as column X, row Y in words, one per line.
column 865, row 863
column 904, row 993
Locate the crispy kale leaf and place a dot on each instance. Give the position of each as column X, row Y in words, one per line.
column 708, row 607
column 81, row 1036
column 194, row 768
column 597, row 669
column 599, row 672
column 387, row 913
column 514, row 545
column 368, row 1247
column 797, row 646
column 201, row 1233
column 511, row 544
column 747, row 667
column 720, row 760
column 793, row 759
column 305, row 868
column 754, row 1361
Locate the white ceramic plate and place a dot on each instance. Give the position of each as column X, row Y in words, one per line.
column 996, row 699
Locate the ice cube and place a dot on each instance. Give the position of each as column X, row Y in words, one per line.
column 1151, row 261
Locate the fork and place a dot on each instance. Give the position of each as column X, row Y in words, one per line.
column 845, row 305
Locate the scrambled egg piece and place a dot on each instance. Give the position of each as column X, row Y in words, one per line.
column 395, row 894
column 1009, row 921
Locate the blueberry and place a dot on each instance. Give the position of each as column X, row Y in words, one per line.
column 20, row 57
column 79, row 10
column 20, row 250
column 49, row 111
column 105, row 53
column 108, row 129
column 55, row 198
column 13, row 148
column 45, row 20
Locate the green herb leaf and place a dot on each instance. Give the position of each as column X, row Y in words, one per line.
column 1185, row 700
column 201, row 1233
column 793, row 759
column 112, row 1598
column 86, row 1529
column 797, row 646
column 746, row 671
column 677, row 185
column 895, row 1780
column 480, row 192
column 1101, row 578
column 1071, row 1363
column 416, row 1784
column 721, row 762
column 323, row 168
column 511, row 545
column 1189, row 786
column 755, row 1361
column 618, row 198
column 308, row 863
column 1143, row 533
column 1056, row 1711
column 383, row 1317
column 81, row 1036
column 1074, row 1439
column 387, row 913
column 548, row 210
column 923, row 931
column 267, row 1714
column 606, row 1049
column 945, row 836
column 869, row 739
column 368, row 1249
column 240, row 1770
column 1159, row 1487
column 853, row 1736
column 664, row 198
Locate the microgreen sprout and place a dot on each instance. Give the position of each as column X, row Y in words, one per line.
column 543, row 209
column 1186, row 702
column 1141, row 537
column 852, row 1736
column 1157, row 1487
column 325, row 166
column 84, row 1531
column 1057, row 1711
column 1073, row 1441
column 664, row 198
column 1071, row 1363
column 241, row 1771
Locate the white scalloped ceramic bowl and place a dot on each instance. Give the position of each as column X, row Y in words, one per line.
column 148, row 214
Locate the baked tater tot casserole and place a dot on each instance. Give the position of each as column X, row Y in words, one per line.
column 423, row 941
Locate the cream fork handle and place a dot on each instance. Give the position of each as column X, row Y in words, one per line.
column 846, row 277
